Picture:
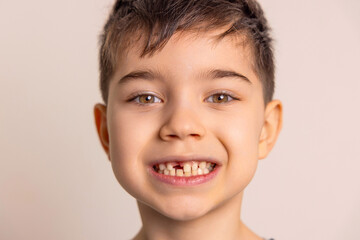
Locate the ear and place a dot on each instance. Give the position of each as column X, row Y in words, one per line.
column 271, row 128
column 101, row 126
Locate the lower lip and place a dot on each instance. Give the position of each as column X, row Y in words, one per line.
column 184, row 181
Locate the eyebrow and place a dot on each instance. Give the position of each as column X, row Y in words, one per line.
column 140, row 74
column 220, row 73
column 207, row 74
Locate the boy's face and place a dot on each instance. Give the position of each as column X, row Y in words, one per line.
column 183, row 113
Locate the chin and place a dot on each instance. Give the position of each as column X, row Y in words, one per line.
column 180, row 211
column 183, row 215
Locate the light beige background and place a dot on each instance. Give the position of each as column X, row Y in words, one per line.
column 56, row 182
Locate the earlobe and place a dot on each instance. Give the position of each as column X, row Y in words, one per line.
column 101, row 126
column 271, row 128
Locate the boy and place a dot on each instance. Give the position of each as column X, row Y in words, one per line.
column 187, row 86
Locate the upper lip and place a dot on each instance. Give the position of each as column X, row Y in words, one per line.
column 179, row 158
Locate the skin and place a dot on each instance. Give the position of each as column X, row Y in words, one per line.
column 183, row 117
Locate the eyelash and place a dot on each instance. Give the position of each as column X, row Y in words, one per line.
column 135, row 96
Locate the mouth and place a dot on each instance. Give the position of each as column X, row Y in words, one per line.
column 184, row 171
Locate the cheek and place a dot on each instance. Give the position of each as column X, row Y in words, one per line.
column 243, row 146
column 128, row 137
column 240, row 138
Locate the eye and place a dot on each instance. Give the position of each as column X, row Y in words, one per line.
column 144, row 99
column 222, row 97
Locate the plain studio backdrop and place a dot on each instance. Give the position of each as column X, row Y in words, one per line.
column 56, row 182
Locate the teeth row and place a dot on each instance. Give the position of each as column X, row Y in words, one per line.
column 188, row 170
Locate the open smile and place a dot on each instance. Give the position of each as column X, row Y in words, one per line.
column 186, row 169
column 184, row 173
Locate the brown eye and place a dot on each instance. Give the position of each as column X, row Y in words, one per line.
column 221, row 98
column 145, row 99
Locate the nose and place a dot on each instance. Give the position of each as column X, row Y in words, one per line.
column 182, row 122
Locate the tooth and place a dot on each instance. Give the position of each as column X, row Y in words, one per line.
column 194, row 166
column 162, row 166
column 179, row 172
column 187, row 168
column 194, row 172
column 187, row 174
column 160, row 171
column 202, row 165
column 208, row 165
column 206, row 171
column 199, row 171
column 166, row 172
column 172, row 172
column 212, row 166
column 169, row 166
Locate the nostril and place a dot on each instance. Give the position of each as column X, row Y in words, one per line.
column 172, row 137
column 195, row 136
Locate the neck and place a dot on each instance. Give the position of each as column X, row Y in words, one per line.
column 220, row 223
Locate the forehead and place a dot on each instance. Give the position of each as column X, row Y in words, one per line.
column 136, row 42
column 189, row 53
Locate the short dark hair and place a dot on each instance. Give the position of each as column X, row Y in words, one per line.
column 158, row 20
